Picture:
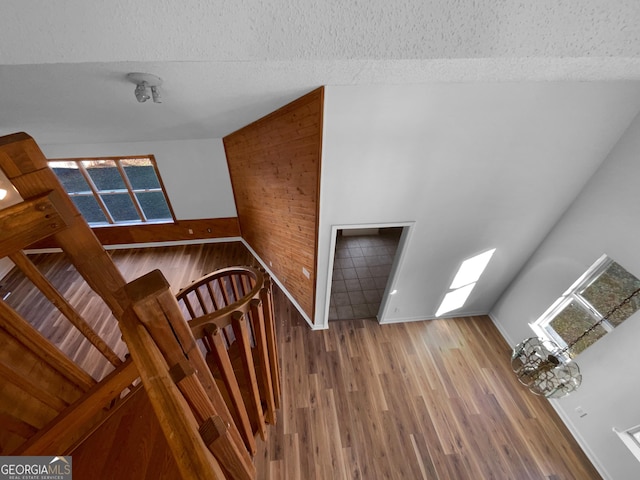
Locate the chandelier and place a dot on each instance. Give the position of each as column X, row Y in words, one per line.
column 545, row 368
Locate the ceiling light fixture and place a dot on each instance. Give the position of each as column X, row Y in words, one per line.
column 145, row 82
column 546, row 369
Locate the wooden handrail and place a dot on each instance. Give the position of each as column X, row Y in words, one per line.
column 222, row 316
column 240, row 312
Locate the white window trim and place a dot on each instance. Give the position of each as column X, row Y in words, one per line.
column 541, row 325
column 631, row 438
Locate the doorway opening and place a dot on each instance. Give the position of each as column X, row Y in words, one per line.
column 364, row 260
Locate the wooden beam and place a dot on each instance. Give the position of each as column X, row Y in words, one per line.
column 152, row 299
column 72, row 423
column 31, row 338
column 232, row 457
column 25, row 165
column 19, row 154
column 29, row 221
column 192, row 456
column 61, row 303
column 215, row 433
column 10, row 376
column 259, row 332
column 272, row 344
column 221, row 357
column 241, row 331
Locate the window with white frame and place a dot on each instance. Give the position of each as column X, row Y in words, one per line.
column 631, row 438
column 603, row 287
column 115, row 190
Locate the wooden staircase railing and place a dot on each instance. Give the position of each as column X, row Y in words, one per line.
column 231, row 313
column 238, row 340
column 213, row 382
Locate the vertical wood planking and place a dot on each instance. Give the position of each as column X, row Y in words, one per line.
column 274, row 165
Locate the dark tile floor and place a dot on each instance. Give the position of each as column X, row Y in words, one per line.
column 360, row 272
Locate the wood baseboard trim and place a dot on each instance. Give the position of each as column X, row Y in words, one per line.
column 178, row 231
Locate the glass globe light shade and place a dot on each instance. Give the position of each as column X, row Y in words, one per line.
column 539, row 365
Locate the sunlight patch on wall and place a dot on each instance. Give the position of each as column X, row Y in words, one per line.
column 468, row 274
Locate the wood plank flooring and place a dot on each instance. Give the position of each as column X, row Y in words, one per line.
column 423, row 400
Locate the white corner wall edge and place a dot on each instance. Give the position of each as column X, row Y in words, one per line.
column 283, row 288
column 563, row 416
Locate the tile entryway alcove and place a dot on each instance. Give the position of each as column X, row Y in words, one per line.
column 362, row 264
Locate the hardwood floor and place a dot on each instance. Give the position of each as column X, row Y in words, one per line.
column 423, row 400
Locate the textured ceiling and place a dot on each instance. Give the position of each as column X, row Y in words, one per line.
column 226, row 63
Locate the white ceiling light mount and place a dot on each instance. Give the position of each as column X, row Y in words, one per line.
column 145, row 82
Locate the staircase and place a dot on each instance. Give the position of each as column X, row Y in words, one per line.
column 206, row 359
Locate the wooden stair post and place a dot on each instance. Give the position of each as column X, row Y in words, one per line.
column 221, row 356
column 174, row 415
column 156, row 308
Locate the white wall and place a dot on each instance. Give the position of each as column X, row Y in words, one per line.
column 605, row 218
column 194, row 172
column 474, row 165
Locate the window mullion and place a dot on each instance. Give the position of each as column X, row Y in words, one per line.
column 133, row 196
column 597, row 316
column 95, row 192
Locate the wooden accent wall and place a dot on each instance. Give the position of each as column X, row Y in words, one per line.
column 274, row 165
column 180, row 230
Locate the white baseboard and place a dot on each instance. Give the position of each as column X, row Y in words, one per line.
column 175, row 243
column 561, row 413
column 283, row 288
column 424, row 318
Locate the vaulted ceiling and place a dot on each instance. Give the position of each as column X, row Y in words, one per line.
column 225, row 63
